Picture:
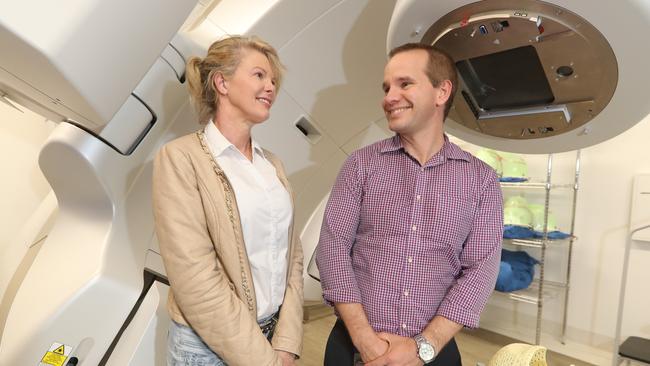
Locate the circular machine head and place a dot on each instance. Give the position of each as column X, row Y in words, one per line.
column 536, row 76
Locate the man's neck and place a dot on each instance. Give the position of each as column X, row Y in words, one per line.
column 423, row 145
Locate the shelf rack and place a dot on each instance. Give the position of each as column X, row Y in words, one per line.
column 542, row 289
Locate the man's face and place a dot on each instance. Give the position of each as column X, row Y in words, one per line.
column 410, row 102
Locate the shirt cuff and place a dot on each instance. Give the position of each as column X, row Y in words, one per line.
column 343, row 295
column 458, row 314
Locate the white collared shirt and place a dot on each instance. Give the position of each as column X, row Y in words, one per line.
column 265, row 212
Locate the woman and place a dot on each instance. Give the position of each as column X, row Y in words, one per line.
column 224, row 220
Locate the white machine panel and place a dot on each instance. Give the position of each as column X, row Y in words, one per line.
column 81, row 59
column 144, row 341
column 175, row 60
column 128, row 124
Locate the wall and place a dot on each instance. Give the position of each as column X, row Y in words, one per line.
column 23, row 186
column 604, row 208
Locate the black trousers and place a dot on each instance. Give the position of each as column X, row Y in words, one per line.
column 340, row 350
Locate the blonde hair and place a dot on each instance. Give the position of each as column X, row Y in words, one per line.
column 223, row 57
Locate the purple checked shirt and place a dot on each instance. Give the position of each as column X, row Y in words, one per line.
column 410, row 242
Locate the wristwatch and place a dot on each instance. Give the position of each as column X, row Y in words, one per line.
column 426, row 351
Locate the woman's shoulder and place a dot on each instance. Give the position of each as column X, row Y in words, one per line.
column 182, row 143
column 273, row 158
column 181, row 151
column 187, row 145
column 277, row 163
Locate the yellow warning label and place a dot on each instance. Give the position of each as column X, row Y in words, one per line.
column 53, row 359
column 56, row 355
column 60, row 350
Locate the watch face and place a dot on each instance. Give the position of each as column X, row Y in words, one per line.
column 426, row 352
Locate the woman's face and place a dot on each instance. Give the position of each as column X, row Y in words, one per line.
column 251, row 89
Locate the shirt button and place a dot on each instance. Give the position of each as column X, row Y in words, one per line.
column 414, row 227
column 422, row 169
column 410, row 259
column 403, row 325
column 406, row 292
column 418, row 197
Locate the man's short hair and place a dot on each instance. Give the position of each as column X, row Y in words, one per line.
column 439, row 67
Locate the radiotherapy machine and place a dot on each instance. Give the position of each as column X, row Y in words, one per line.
column 535, row 77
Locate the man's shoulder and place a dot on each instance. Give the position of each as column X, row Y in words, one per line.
column 373, row 150
column 476, row 165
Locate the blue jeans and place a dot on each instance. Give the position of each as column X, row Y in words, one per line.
column 186, row 348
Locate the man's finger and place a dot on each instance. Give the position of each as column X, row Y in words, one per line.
column 380, row 361
column 388, row 337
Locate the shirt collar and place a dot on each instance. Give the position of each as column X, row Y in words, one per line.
column 218, row 143
column 449, row 149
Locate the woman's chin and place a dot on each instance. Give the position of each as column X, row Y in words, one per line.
column 262, row 117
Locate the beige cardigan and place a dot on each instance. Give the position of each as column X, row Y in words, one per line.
column 202, row 246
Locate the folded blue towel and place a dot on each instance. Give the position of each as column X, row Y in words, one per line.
column 517, row 232
column 513, row 179
column 553, row 235
column 516, row 271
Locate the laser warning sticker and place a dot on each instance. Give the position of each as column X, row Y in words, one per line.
column 56, row 355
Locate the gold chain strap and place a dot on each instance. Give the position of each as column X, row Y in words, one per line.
column 229, row 194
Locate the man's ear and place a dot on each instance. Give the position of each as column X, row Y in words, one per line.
column 444, row 94
column 220, row 83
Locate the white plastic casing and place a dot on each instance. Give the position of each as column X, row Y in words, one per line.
column 80, row 59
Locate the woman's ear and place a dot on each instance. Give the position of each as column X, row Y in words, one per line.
column 220, row 83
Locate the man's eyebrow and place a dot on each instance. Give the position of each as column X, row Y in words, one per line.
column 400, row 79
column 405, row 78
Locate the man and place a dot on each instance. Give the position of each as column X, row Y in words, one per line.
column 411, row 239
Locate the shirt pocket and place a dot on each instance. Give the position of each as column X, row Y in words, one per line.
column 385, row 213
column 447, row 220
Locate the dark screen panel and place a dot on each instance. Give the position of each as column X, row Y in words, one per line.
column 508, row 79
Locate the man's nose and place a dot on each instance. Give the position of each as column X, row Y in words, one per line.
column 391, row 97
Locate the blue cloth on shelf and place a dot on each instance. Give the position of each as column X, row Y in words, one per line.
column 513, row 179
column 553, row 235
column 516, row 271
column 517, row 232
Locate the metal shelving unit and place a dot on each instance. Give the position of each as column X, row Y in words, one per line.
column 542, row 289
column 537, row 243
column 531, row 294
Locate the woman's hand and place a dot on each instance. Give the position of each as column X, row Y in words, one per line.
column 288, row 359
